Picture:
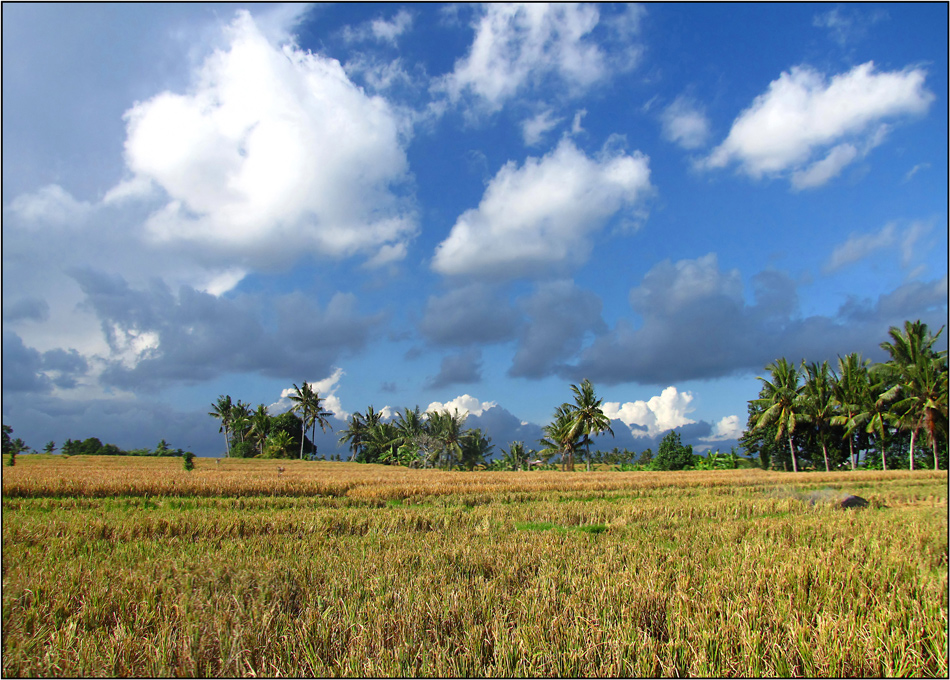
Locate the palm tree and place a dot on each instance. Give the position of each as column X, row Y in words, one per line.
column 278, row 443
column 222, row 410
column 476, row 446
column 587, row 415
column 312, row 412
column 303, row 404
column 355, row 434
column 409, row 424
column 874, row 416
column 260, row 426
column 318, row 416
column 380, row 447
column 447, row 428
column 560, row 436
column 817, row 400
column 920, row 374
column 851, row 383
column 781, row 402
column 515, row 458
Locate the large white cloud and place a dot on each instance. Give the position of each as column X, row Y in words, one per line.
column 539, row 217
column 273, row 152
column 803, row 114
column 658, row 414
column 465, row 403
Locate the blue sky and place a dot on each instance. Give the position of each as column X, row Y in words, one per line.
column 464, row 206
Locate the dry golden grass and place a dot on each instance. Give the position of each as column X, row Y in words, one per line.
column 108, row 476
column 345, row 570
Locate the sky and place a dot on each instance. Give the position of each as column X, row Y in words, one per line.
column 459, row 206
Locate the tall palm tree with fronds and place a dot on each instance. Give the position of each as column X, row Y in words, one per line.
column 409, row 425
column 355, row 434
column 875, row 416
column 817, row 401
column 587, row 414
column 781, row 403
column 920, row 376
column 303, row 401
column 222, row 409
column 312, row 412
column 448, row 429
column 260, row 426
column 319, row 415
column 561, row 437
column 848, row 388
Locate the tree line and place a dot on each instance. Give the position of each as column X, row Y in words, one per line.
column 91, row 446
column 440, row 439
column 812, row 415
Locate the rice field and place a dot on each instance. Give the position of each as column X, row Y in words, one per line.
column 121, row 566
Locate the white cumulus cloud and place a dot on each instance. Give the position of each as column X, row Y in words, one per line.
column 729, row 427
column 540, row 216
column 685, row 123
column 533, row 129
column 804, row 114
column 273, row 152
column 663, row 412
column 516, row 45
column 465, row 403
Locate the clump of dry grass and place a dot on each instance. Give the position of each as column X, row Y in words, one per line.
column 441, row 574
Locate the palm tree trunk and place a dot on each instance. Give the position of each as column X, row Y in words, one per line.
column 854, row 461
column 824, row 449
column 791, row 448
column 913, row 436
column 303, row 435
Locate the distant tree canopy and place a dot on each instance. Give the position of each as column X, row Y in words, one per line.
column 94, row 447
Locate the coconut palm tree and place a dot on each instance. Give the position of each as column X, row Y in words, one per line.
column 260, row 426
column 240, row 419
column 781, row 404
column 355, row 434
column 515, row 458
column 561, row 437
column 874, row 416
column 920, row 377
column 587, row 415
column 851, row 383
column 447, row 428
column 817, row 402
column 222, row 410
column 380, row 447
column 312, row 412
column 318, row 416
column 476, row 446
column 278, row 443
